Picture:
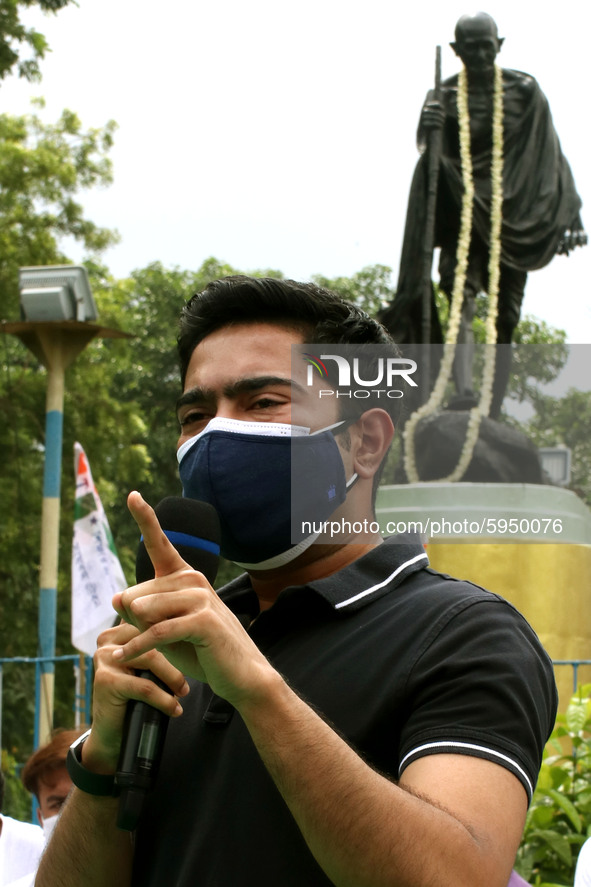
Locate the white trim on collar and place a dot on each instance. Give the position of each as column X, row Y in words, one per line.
column 397, row 571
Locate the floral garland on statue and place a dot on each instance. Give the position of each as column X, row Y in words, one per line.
column 463, row 250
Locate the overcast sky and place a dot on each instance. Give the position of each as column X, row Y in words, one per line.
column 277, row 135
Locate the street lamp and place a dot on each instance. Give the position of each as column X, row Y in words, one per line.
column 57, row 307
column 56, row 292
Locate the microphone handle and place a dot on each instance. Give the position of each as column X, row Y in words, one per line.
column 144, row 732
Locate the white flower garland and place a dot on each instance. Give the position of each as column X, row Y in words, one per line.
column 463, row 250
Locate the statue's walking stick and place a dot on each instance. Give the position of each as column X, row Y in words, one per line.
column 433, row 158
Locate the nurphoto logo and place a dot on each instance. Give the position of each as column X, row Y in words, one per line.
column 363, row 376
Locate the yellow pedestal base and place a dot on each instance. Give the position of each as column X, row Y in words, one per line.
column 548, row 581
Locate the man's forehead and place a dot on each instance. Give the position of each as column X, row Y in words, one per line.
column 243, row 350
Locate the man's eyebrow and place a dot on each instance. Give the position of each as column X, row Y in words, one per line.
column 240, row 386
column 195, row 395
column 256, row 383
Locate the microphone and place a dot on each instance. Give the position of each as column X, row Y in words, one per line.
column 194, row 530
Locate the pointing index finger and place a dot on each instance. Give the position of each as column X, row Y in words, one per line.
column 164, row 556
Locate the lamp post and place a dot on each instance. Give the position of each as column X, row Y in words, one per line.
column 57, row 304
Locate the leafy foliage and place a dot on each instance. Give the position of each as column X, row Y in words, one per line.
column 17, row 801
column 566, row 421
column 370, row 289
column 42, row 166
column 16, row 37
column 539, row 353
column 559, row 818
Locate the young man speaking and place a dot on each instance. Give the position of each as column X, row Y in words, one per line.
column 348, row 716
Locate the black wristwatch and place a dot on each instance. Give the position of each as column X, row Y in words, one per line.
column 92, row 783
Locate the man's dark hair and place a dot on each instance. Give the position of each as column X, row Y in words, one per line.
column 317, row 314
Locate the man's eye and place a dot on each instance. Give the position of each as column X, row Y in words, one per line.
column 265, row 403
column 194, row 417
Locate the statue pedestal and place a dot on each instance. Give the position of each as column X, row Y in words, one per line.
column 529, row 543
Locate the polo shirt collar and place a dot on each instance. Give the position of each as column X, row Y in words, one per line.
column 368, row 578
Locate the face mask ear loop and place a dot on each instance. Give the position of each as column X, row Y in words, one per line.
column 342, row 426
column 328, row 428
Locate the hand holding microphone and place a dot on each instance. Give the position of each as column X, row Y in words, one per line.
column 179, row 615
column 193, row 529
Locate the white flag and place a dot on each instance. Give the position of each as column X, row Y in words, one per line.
column 96, row 571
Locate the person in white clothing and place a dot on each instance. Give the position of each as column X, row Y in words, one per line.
column 44, row 775
column 583, row 870
column 21, row 845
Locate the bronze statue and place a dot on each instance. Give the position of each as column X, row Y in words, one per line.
column 540, row 205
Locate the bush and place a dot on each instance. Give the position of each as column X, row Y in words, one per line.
column 17, row 800
column 559, row 818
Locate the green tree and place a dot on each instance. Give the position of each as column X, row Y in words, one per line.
column 42, row 168
column 370, row 289
column 565, row 421
column 16, row 37
column 17, row 800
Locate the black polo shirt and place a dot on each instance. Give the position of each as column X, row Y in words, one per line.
column 401, row 660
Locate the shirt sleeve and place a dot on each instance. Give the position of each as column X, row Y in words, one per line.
column 583, row 870
column 482, row 686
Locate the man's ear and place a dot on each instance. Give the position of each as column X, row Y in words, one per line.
column 500, row 41
column 454, row 46
column 371, row 437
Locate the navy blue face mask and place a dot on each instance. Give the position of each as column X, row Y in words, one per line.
column 266, row 481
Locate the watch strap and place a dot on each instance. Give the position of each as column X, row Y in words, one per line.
column 99, row 784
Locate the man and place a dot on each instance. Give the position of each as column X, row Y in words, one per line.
column 45, row 776
column 349, row 717
column 540, row 205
